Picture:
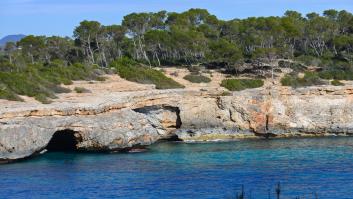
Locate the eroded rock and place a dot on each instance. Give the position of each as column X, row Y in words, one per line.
column 123, row 121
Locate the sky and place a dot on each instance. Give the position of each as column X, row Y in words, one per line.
column 60, row 17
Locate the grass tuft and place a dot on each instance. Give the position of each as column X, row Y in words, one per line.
column 42, row 98
column 241, row 84
column 337, row 83
column 197, row 78
column 81, row 90
column 309, row 79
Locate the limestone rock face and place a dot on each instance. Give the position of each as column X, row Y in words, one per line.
column 277, row 112
column 20, row 138
column 124, row 120
column 167, row 116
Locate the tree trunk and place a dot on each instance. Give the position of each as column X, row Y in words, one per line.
column 10, row 58
column 136, row 50
column 91, row 54
column 156, row 55
column 146, row 57
column 32, row 58
column 104, row 59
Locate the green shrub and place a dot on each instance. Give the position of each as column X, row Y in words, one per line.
column 226, row 93
column 337, row 83
column 197, row 79
column 25, row 84
column 309, row 79
column 81, row 90
column 332, row 64
column 100, row 78
column 6, row 66
column 288, row 80
column 42, row 81
column 194, row 69
column 42, row 98
column 241, row 84
column 297, row 67
column 5, row 93
column 336, row 74
column 277, row 70
column 309, row 60
column 59, row 89
column 130, row 70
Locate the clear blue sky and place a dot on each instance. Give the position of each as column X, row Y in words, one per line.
column 59, row 17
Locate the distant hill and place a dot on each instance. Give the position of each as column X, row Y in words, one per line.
column 13, row 38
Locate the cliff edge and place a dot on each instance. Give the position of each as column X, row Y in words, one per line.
column 115, row 121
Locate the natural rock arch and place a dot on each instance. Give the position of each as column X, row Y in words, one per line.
column 64, row 140
column 171, row 120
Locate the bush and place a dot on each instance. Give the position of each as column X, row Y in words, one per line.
column 42, row 81
column 194, row 69
column 309, row 60
column 297, row 67
column 197, row 79
column 81, row 90
column 309, row 79
column 337, row 83
column 42, row 98
column 336, row 74
column 25, row 84
column 59, row 89
column 241, row 84
column 100, row 79
column 129, row 70
column 226, row 93
column 5, row 93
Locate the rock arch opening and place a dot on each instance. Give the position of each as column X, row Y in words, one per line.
column 64, row 140
column 169, row 116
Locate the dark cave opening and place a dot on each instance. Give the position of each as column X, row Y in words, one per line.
column 64, row 140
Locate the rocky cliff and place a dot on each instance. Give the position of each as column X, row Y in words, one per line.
column 276, row 112
column 119, row 121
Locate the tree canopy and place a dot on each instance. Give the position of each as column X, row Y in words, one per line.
column 194, row 37
column 37, row 65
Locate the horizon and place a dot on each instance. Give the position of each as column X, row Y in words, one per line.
column 40, row 17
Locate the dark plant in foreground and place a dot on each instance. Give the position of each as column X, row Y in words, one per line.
column 278, row 194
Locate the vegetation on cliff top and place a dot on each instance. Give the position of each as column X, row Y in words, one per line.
column 308, row 79
column 197, row 78
column 241, row 84
column 130, row 70
column 41, row 81
column 337, row 83
column 38, row 64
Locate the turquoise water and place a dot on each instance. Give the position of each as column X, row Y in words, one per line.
column 179, row 170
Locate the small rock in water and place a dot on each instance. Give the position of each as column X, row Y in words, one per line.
column 137, row 150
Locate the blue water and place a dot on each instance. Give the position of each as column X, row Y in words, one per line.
column 179, row 170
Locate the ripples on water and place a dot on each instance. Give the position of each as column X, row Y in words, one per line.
column 179, row 170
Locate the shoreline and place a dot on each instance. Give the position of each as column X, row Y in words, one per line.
column 114, row 121
column 145, row 149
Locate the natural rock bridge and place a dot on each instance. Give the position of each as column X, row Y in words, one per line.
column 123, row 120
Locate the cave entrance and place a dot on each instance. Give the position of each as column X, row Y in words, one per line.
column 64, row 140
